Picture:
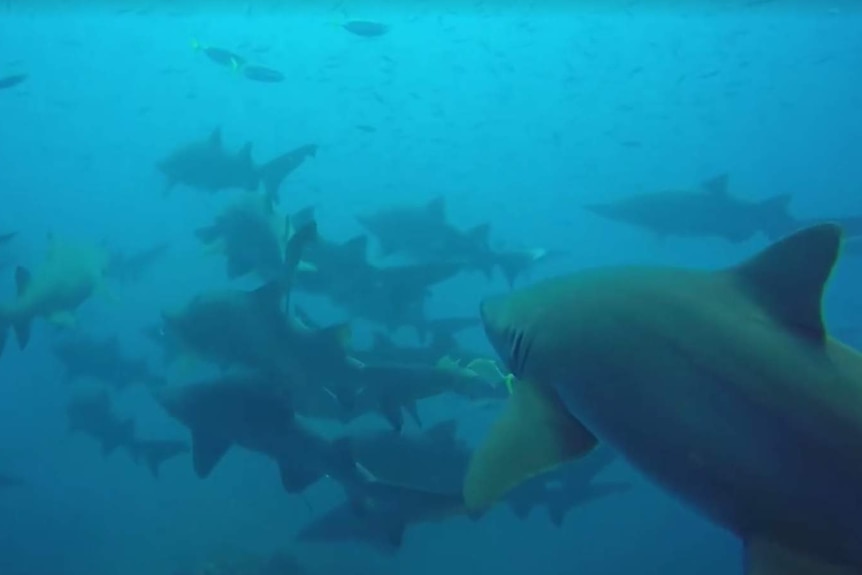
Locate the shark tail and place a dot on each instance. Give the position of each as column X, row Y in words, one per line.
column 273, row 173
column 775, row 220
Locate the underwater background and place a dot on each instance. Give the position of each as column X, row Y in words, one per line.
column 518, row 114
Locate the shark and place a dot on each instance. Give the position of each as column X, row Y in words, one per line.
column 256, row 413
column 207, row 166
column 131, row 268
column 7, row 237
column 707, row 211
column 427, row 471
column 722, row 386
column 569, row 486
column 423, row 234
column 69, row 275
column 391, row 296
column 251, row 236
column 102, row 359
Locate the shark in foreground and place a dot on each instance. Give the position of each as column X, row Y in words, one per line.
column 724, row 387
column 68, row 276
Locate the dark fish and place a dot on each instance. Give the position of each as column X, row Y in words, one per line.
column 262, row 74
column 366, row 28
column 220, row 56
column 12, row 80
column 366, row 128
column 7, row 237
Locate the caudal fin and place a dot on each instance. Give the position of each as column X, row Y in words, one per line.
column 273, row 173
column 774, row 218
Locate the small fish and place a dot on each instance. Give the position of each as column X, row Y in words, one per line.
column 366, row 28
column 220, row 56
column 366, row 128
column 11, row 81
column 262, row 74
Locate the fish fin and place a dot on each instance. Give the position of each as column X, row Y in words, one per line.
column 412, row 408
column 557, row 514
column 207, row 451
column 63, row 319
column 21, row 327
column 391, row 411
column 273, row 173
column 535, row 433
column 716, row 185
column 774, row 216
column 22, row 280
column 803, row 260
column 765, row 557
column 395, row 532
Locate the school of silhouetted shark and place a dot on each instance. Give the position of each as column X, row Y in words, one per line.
column 722, row 386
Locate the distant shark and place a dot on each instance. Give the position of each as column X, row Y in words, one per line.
column 207, row 166
column 257, row 414
column 423, row 234
column 102, row 359
column 68, row 276
column 7, row 237
column 724, row 387
column 250, row 236
column 429, row 470
column 708, row 211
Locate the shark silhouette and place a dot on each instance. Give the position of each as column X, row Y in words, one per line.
column 207, row 166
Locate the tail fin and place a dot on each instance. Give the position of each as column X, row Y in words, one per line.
column 275, row 171
column 775, row 220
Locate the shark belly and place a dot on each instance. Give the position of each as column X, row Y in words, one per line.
column 698, row 432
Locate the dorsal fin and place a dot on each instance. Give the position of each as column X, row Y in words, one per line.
column 716, row 185
column 245, row 153
column 788, row 277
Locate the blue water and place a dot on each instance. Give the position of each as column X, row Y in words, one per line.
column 517, row 114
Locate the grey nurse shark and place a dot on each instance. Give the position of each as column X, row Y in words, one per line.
column 722, row 386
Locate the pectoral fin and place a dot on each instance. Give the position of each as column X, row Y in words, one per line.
column 534, row 433
column 765, row 557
